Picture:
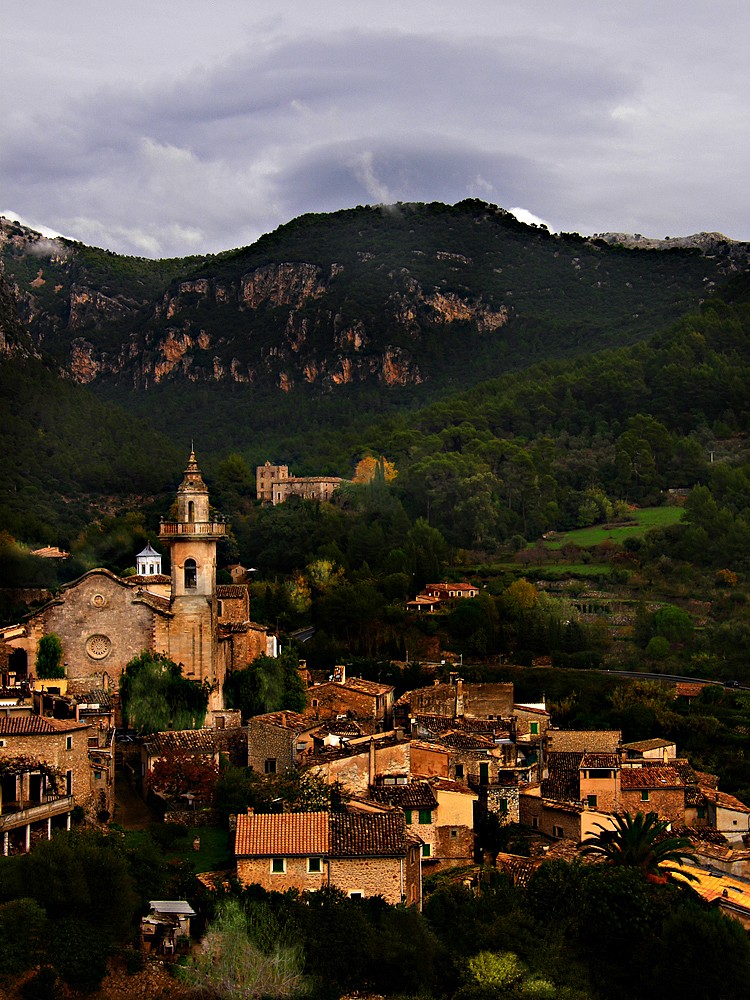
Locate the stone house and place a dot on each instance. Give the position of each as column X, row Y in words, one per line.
column 273, row 484
column 725, row 812
column 358, row 763
column 417, row 801
column 276, row 741
column 658, row 789
column 44, row 774
column 364, row 854
column 369, row 702
column 457, row 700
column 656, row 749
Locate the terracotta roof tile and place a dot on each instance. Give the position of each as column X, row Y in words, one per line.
column 415, row 795
column 362, row 835
column 37, row 725
column 467, row 741
column 650, row 777
column 366, row 687
column 201, row 741
column 231, row 590
column 283, row 834
column 654, row 744
column 603, row 760
column 598, row 740
column 725, row 801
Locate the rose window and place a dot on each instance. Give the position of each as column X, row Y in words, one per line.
column 98, row 646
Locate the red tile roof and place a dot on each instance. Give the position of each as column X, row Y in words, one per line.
column 37, row 725
column 650, row 777
column 415, row 795
column 725, row 801
column 282, row 834
column 366, row 687
column 363, row 835
column 231, row 590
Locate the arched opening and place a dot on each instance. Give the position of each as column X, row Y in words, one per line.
column 18, row 663
column 191, row 511
column 191, row 574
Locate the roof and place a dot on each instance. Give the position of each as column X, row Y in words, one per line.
column 190, row 740
column 600, row 740
column 685, row 689
column 148, row 551
column 467, row 741
column 179, row 906
column 724, row 801
column 448, row 785
column 366, row 687
column 650, row 777
column 563, row 781
column 284, row 720
column 37, row 725
column 137, row 580
column 415, row 795
column 603, row 760
column 643, row 745
column 718, row 887
column 282, row 834
column 229, row 590
column 367, row 835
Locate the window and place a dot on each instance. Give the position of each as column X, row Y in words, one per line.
column 315, row 702
column 314, row 866
column 98, row 775
column 220, row 608
column 425, row 815
column 459, row 772
column 645, row 795
column 356, row 895
column 503, row 806
column 191, row 575
column 534, row 823
column 426, row 850
column 591, row 801
column 68, row 782
column 278, row 866
column 407, row 815
column 534, row 728
column 191, row 511
column 557, row 831
column 454, row 833
column 701, row 812
column 68, row 742
column 270, row 765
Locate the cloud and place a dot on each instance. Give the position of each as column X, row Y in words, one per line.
column 236, row 126
column 524, row 215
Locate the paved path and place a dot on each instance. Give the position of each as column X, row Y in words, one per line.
column 131, row 812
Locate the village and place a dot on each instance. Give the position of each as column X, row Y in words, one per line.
column 432, row 781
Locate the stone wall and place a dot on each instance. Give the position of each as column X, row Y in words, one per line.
column 258, row 871
column 503, row 800
column 371, row 876
column 266, row 741
column 52, row 749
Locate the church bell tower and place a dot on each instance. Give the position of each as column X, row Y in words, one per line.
column 192, row 541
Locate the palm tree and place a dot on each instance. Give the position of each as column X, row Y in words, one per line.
column 640, row 842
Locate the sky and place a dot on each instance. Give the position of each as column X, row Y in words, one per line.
column 168, row 127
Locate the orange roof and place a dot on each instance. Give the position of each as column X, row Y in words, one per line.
column 37, row 725
column 725, row 801
column 277, row 834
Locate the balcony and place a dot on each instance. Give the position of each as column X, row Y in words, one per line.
column 52, row 805
column 167, row 528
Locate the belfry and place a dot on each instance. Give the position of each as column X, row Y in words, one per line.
column 192, row 541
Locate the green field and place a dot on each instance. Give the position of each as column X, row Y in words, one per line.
column 645, row 519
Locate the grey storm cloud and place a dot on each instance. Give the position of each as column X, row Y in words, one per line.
column 585, row 121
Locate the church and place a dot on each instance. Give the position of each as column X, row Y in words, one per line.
column 104, row 620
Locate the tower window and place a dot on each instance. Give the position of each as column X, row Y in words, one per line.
column 191, row 575
column 191, row 511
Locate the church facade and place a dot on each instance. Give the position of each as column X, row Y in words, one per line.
column 104, row 620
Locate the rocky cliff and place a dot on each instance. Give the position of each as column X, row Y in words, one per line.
column 357, row 297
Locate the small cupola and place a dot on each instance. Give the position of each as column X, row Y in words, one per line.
column 148, row 562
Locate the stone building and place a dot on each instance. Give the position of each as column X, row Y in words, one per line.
column 104, row 620
column 273, row 484
column 44, row 774
column 362, row 853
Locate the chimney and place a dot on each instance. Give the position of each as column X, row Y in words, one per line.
column 339, row 674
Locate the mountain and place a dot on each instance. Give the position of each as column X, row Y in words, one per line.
column 395, row 297
column 331, row 335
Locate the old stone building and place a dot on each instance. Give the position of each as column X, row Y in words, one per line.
column 362, row 853
column 274, row 485
column 104, row 620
